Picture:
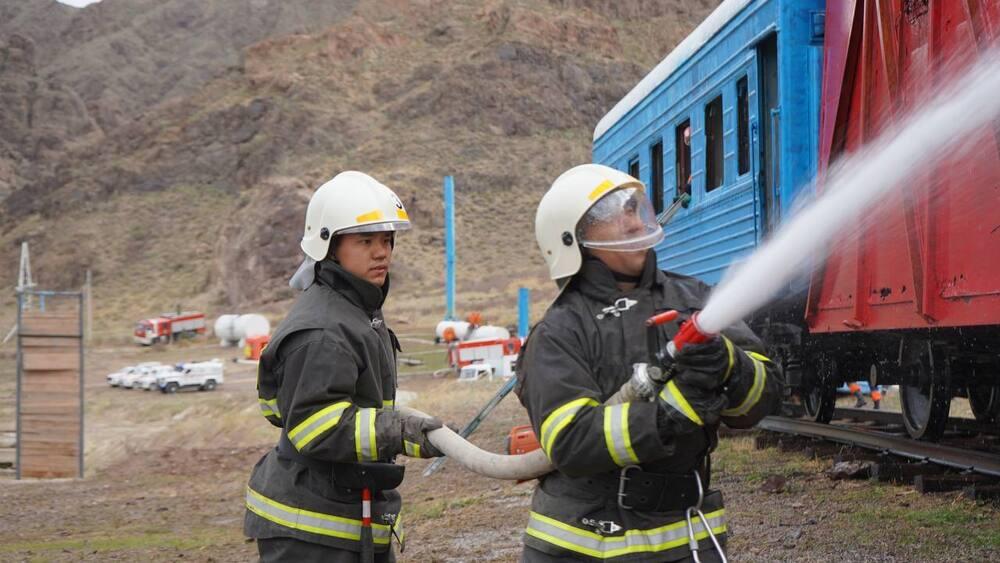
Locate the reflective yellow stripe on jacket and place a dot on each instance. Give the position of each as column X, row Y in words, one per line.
column 616, row 435
column 318, row 423
column 672, row 396
column 588, row 543
column 269, row 407
column 316, row 522
column 559, row 419
column 364, row 435
column 756, row 390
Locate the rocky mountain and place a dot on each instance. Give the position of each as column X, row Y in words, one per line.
column 171, row 146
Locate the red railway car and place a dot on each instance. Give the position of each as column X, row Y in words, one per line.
column 914, row 299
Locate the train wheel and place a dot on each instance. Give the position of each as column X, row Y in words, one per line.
column 925, row 398
column 819, row 395
column 985, row 402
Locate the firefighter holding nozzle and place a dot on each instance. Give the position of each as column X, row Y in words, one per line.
column 632, row 479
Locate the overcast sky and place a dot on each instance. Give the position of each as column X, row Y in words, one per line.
column 78, row 3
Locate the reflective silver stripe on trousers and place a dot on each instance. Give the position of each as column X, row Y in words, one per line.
column 309, row 521
column 365, row 435
column 586, row 542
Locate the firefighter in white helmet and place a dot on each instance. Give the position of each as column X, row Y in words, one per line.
column 626, row 474
column 328, row 380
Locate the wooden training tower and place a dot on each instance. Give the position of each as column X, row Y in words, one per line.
column 49, row 384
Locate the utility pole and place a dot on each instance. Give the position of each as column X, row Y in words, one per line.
column 88, row 294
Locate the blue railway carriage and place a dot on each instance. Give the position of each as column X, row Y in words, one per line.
column 730, row 117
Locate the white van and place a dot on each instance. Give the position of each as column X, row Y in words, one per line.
column 203, row 376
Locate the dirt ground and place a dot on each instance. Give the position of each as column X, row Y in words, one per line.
column 166, row 475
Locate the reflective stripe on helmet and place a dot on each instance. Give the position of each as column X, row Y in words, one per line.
column 588, row 543
column 314, row 522
column 364, row 435
column 673, row 397
column 559, row 419
column 318, row 423
column 756, row 390
column 616, row 435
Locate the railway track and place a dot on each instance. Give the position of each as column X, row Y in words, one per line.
column 962, row 459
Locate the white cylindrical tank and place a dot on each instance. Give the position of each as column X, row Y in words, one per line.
column 225, row 330
column 461, row 329
column 489, row 332
column 232, row 330
column 252, row 325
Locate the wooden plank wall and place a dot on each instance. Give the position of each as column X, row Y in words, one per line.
column 49, row 415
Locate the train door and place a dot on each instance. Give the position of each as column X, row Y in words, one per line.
column 769, row 118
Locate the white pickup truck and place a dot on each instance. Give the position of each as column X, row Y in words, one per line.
column 203, row 376
column 115, row 379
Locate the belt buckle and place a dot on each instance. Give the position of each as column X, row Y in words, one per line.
column 622, row 479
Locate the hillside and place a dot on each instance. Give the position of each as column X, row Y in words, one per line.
column 192, row 190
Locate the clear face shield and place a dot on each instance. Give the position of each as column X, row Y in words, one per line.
column 621, row 221
column 376, row 228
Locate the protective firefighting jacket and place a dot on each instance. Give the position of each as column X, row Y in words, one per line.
column 328, row 380
column 579, row 355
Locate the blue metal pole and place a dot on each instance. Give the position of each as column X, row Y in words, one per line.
column 522, row 311
column 449, row 247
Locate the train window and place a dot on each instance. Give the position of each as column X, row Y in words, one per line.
column 682, row 166
column 633, row 167
column 743, row 126
column 656, row 175
column 713, row 144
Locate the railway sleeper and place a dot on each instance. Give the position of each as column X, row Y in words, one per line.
column 944, row 483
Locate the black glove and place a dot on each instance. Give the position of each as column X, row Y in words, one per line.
column 707, row 365
column 685, row 408
column 414, row 435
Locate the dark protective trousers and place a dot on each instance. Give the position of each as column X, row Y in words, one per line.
column 530, row 555
column 289, row 550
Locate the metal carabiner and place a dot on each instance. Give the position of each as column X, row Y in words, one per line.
column 689, row 515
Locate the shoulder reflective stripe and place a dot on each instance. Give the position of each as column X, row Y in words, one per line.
column 386, row 404
column 558, row 420
column 672, row 396
column 364, row 435
column 732, row 358
column 269, row 407
column 309, row 521
column 633, row 541
column 318, row 423
column 616, row 434
column 755, row 392
column 412, row 450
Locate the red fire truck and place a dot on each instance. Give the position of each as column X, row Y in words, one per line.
column 169, row 326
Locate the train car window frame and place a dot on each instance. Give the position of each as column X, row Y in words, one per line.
column 656, row 174
column 715, row 155
column 743, row 125
column 632, row 167
column 682, row 158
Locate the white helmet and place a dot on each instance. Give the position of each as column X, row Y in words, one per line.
column 595, row 206
column 352, row 202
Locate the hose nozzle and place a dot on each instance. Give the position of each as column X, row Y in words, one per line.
column 690, row 332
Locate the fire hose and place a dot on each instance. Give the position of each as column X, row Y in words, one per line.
column 536, row 463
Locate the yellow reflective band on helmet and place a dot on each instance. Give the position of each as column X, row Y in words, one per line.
column 672, row 396
column 600, row 190
column 374, row 215
column 559, row 419
column 312, row 522
column 411, row 449
column 364, row 435
column 756, row 390
column 269, row 407
column 402, row 214
column 588, row 543
column 318, row 423
column 388, row 404
column 616, row 435
column 732, row 358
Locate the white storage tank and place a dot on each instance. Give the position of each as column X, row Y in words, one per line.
column 459, row 328
column 488, row 332
column 233, row 330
